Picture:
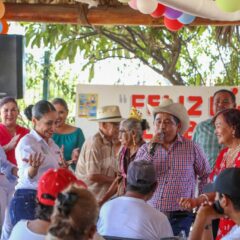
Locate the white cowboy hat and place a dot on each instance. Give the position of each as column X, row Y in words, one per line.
column 108, row 114
column 175, row 109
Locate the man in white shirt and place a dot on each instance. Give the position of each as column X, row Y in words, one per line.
column 130, row 216
column 227, row 188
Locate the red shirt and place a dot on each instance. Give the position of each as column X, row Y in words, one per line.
column 5, row 138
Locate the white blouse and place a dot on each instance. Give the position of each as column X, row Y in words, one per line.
column 30, row 144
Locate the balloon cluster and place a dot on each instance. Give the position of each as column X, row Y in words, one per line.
column 3, row 22
column 173, row 19
column 228, row 5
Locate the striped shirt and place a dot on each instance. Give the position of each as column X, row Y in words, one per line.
column 204, row 135
column 177, row 171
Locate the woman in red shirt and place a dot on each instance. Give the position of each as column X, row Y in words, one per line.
column 227, row 130
column 10, row 134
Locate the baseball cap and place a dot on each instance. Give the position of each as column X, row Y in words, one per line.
column 54, row 181
column 141, row 173
column 227, row 182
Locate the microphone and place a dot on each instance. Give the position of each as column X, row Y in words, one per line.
column 154, row 144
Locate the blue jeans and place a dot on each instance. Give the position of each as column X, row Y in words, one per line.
column 181, row 220
column 23, row 205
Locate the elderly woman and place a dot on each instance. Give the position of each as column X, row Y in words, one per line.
column 75, row 215
column 130, row 136
column 10, row 134
column 66, row 136
column 227, row 130
column 35, row 153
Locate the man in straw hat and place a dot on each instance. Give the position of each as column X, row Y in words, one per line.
column 178, row 162
column 97, row 164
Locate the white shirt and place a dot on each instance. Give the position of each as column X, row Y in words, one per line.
column 132, row 218
column 21, row 231
column 234, row 234
column 30, row 144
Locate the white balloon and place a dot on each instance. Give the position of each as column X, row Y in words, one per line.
column 147, row 6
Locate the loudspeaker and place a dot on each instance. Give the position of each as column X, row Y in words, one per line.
column 11, row 66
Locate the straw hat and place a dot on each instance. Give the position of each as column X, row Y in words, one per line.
column 175, row 109
column 108, row 114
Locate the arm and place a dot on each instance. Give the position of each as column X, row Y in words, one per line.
column 201, row 167
column 202, row 228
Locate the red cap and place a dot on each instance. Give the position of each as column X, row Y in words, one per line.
column 54, row 181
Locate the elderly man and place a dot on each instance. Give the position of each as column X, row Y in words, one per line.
column 97, row 163
column 129, row 216
column 227, row 188
column 178, row 163
column 204, row 133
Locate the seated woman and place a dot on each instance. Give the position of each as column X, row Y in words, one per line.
column 36, row 152
column 75, row 215
column 52, row 182
column 130, row 136
column 66, row 136
column 227, row 130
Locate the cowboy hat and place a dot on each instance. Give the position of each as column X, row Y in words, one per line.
column 108, row 114
column 175, row 109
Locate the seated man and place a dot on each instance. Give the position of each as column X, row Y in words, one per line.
column 227, row 187
column 129, row 216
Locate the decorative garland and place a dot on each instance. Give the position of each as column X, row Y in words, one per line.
column 3, row 22
column 173, row 19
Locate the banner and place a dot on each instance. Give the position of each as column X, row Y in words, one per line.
column 197, row 100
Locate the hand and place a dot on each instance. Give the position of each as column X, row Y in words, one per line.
column 35, row 161
column 188, row 203
column 12, row 144
column 15, row 171
column 206, row 211
column 75, row 155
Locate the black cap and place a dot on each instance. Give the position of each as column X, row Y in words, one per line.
column 228, row 182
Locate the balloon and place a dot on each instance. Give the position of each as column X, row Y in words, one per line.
column 2, row 9
column 186, row 18
column 228, row 5
column 172, row 13
column 124, row 1
column 1, row 27
column 172, row 24
column 159, row 11
column 147, row 6
column 4, row 24
column 133, row 4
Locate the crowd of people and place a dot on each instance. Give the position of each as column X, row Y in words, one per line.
column 56, row 185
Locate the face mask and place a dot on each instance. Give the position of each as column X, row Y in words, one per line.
column 217, row 207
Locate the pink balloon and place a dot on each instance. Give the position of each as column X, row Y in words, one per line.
column 133, row 4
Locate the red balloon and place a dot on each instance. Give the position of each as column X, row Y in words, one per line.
column 172, row 24
column 4, row 26
column 159, row 11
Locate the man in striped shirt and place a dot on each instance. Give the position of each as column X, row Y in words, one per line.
column 180, row 163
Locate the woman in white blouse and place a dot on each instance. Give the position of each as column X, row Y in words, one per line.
column 35, row 153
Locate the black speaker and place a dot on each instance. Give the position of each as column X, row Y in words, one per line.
column 11, row 66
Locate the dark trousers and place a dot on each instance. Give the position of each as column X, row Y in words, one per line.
column 23, row 205
column 180, row 220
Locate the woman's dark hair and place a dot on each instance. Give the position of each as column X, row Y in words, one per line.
column 38, row 110
column 6, row 100
column 61, row 102
column 28, row 112
column 44, row 212
column 232, row 118
column 75, row 213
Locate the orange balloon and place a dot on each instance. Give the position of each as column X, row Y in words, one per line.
column 2, row 9
column 4, row 26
